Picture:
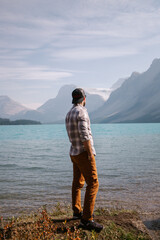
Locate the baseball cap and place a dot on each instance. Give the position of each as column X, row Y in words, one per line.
column 78, row 95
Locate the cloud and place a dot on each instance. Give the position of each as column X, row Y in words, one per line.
column 153, row 40
column 93, row 53
column 33, row 27
column 80, row 30
column 41, row 40
column 31, row 73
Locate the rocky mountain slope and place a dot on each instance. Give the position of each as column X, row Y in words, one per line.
column 137, row 100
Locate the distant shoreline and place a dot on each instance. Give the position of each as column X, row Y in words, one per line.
column 6, row 121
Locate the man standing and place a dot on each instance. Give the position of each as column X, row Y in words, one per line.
column 82, row 154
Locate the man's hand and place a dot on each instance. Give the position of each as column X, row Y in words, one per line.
column 90, row 156
column 88, row 148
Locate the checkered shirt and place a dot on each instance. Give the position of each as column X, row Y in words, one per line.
column 78, row 129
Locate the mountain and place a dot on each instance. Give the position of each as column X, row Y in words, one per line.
column 55, row 110
column 104, row 93
column 118, row 83
column 96, row 98
column 137, row 100
column 9, row 107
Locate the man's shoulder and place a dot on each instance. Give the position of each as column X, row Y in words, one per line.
column 77, row 110
column 81, row 110
column 73, row 111
column 83, row 114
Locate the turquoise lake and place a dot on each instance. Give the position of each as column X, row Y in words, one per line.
column 35, row 168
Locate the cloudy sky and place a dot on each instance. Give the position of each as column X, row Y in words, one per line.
column 45, row 44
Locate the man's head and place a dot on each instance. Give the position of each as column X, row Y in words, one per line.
column 79, row 96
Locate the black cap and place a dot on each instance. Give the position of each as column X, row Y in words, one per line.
column 78, row 95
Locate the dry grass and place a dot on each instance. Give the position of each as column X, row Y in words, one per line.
column 43, row 225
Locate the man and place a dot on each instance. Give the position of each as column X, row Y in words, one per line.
column 82, row 154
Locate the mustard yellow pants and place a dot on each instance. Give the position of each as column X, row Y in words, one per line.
column 84, row 170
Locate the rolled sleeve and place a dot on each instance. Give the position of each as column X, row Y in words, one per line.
column 83, row 126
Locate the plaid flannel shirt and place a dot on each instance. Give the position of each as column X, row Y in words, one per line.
column 78, row 128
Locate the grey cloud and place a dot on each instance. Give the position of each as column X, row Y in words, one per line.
column 93, row 53
column 37, row 37
column 35, row 31
column 31, row 73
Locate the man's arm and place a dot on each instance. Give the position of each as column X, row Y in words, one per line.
column 84, row 133
column 88, row 148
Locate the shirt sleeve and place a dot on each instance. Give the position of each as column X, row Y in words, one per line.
column 83, row 126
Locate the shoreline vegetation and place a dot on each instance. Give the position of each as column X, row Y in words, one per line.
column 6, row 121
column 59, row 224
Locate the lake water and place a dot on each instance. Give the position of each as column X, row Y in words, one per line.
column 35, row 168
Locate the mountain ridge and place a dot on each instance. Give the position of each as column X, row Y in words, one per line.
column 54, row 110
column 10, row 107
column 134, row 100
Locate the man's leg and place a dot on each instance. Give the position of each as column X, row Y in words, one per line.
column 78, row 183
column 91, row 178
column 88, row 169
